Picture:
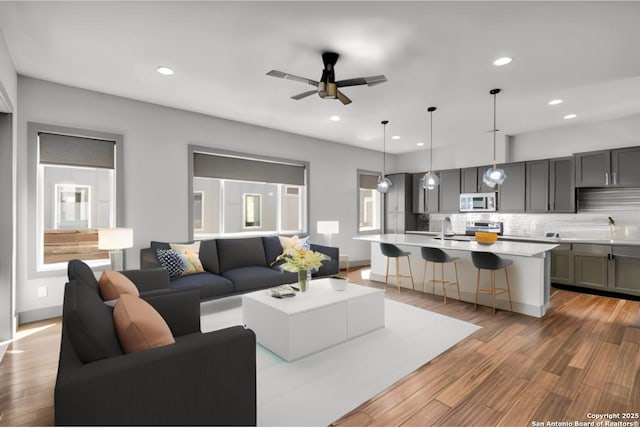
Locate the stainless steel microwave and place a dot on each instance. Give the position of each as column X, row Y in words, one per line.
column 477, row 202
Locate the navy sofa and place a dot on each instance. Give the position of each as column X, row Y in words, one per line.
column 236, row 266
column 202, row 379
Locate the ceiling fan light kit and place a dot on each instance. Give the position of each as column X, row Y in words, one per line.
column 327, row 87
column 430, row 180
column 494, row 176
column 384, row 184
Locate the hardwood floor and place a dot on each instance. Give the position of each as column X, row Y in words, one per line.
column 582, row 357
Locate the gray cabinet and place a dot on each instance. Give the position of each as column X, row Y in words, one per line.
column 432, row 200
column 537, row 182
column 562, row 186
column 449, row 191
column 511, row 193
column 591, row 270
column 482, row 187
column 625, row 277
column 625, row 170
column 398, row 205
column 604, row 168
column 469, row 180
column 562, row 264
column 550, row 186
column 424, row 200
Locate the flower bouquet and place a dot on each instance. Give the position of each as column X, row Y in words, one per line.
column 301, row 260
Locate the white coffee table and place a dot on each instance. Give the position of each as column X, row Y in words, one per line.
column 295, row 327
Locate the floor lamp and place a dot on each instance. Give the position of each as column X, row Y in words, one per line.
column 115, row 240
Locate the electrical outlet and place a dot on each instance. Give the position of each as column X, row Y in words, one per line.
column 42, row 291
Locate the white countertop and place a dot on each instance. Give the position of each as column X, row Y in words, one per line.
column 514, row 248
column 534, row 239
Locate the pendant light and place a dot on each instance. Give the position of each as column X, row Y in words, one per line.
column 383, row 182
column 431, row 180
column 493, row 175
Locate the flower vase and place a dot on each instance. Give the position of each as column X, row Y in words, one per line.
column 302, row 280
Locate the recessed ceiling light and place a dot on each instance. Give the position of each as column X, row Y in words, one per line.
column 164, row 70
column 395, row 137
column 570, row 116
column 502, row 61
column 555, row 102
column 419, row 144
column 335, row 118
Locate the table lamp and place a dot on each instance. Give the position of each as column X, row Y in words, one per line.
column 115, row 240
column 328, row 228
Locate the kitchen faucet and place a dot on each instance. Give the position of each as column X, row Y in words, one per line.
column 445, row 220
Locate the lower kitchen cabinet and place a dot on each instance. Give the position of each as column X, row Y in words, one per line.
column 562, row 264
column 590, row 271
column 626, row 270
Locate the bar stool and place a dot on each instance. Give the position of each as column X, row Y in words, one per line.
column 392, row 251
column 437, row 256
column 492, row 262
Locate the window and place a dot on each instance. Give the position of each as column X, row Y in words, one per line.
column 75, row 194
column 247, row 195
column 369, row 203
column 252, row 210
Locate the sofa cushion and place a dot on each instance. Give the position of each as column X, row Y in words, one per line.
column 209, row 256
column 209, row 285
column 172, row 261
column 240, row 252
column 139, row 326
column 112, row 284
column 272, row 248
column 191, row 252
column 89, row 323
column 255, row 277
column 77, row 270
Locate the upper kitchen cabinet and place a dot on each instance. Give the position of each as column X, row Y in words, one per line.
column 449, row 191
column 624, row 166
column 550, row 186
column 511, row 193
column 608, row 168
column 482, row 186
column 424, row 200
column 537, row 182
column 432, row 198
column 562, row 185
column 469, row 180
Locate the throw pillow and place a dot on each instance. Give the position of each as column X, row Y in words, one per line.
column 139, row 326
column 112, row 284
column 172, row 261
column 192, row 254
column 294, row 242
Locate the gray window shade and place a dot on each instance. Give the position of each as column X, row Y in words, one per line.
column 215, row 166
column 368, row 181
column 58, row 149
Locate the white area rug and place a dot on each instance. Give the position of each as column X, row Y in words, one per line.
column 319, row 389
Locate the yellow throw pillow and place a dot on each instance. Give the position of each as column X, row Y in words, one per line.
column 139, row 326
column 112, row 284
column 191, row 253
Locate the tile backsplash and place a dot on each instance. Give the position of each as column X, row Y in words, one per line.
column 574, row 226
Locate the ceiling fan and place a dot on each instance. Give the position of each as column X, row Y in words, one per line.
column 327, row 87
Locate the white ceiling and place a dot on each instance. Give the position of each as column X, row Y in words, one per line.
column 432, row 53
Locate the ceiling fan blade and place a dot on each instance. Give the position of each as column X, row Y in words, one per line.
column 304, row 95
column 343, row 98
column 371, row 80
column 283, row 75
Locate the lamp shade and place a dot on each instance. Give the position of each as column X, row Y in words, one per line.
column 117, row 238
column 328, row 227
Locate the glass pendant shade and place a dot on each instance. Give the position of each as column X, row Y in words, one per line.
column 384, row 184
column 430, row 180
column 494, row 176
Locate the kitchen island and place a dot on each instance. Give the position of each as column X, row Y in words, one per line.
column 529, row 275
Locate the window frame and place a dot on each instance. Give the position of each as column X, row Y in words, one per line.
column 359, row 207
column 35, row 218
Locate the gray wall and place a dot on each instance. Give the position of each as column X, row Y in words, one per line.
column 8, row 138
column 156, row 172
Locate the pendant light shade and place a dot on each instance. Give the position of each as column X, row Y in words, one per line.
column 430, row 180
column 494, row 175
column 384, row 184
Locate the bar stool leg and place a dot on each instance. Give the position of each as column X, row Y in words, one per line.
column 455, row 268
column 386, row 277
column 398, row 272
column 424, row 276
column 444, row 286
column 506, row 275
column 477, row 290
column 413, row 285
column 493, row 290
